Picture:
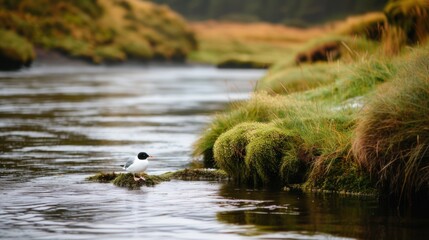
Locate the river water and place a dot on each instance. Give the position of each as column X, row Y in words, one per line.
column 61, row 124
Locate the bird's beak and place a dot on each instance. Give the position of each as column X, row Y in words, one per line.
column 151, row 156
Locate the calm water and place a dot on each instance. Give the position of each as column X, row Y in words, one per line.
column 62, row 124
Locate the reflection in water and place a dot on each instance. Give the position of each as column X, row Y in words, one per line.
column 58, row 125
column 352, row 217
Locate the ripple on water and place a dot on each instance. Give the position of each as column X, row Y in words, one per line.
column 64, row 207
column 59, row 125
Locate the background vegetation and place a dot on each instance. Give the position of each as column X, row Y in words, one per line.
column 95, row 30
column 291, row 12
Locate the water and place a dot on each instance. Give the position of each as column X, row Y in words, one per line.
column 60, row 124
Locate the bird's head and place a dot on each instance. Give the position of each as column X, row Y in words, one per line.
column 143, row 156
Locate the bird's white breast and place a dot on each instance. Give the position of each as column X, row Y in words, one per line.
column 138, row 166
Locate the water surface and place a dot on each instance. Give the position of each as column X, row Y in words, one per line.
column 60, row 124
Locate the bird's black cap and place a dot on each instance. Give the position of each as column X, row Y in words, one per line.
column 142, row 155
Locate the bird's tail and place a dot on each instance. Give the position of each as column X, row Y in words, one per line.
column 122, row 165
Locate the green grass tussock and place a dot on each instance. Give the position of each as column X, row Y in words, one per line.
column 230, row 150
column 264, row 154
column 286, row 77
column 251, row 152
column 354, row 82
column 410, row 15
column 392, row 136
column 408, row 24
column 260, row 109
column 297, row 79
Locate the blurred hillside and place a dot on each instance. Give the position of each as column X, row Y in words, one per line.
column 290, row 12
column 94, row 30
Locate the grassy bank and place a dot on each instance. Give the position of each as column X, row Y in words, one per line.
column 353, row 123
column 261, row 45
column 96, row 30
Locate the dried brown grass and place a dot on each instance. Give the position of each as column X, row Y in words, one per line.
column 392, row 136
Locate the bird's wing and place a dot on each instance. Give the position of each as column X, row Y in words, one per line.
column 128, row 163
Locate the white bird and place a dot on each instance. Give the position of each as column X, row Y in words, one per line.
column 137, row 165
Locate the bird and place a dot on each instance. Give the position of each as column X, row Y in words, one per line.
column 137, row 165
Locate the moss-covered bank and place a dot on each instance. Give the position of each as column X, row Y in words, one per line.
column 95, row 30
column 354, row 124
column 307, row 137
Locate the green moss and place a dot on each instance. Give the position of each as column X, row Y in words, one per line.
column 261, row 108
column 102, row 177
column 264, row 154
column 335, row 170
column 230, row 150
column 252, row 152
column 295, row 164
column 15, row 51
column 127, row 181
column 198, row 175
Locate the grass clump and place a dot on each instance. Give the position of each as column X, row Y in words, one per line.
column 297, row 79
column 316, row 65
column 260, row 108
column 264, row 154
column 408, row 24
column 230, row 150
column 251, row 152
column 392, row 136
column 370, row 25
column 410, row 15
